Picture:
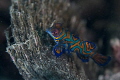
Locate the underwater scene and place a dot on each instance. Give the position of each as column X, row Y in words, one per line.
column 59, row 40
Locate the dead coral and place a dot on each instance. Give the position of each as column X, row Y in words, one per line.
column 34, row 60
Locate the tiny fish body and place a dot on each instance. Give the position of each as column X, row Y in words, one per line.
column 67, row 42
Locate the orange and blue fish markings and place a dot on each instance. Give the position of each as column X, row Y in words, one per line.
column 67, row 42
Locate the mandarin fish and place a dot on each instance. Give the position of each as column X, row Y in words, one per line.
column 67, row 42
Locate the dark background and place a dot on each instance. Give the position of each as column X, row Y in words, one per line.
column 102, row 16
column 8, row 70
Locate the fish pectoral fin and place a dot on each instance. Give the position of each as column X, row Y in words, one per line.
column 58, row 50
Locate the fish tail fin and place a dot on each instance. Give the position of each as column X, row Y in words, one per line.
column 101, row 60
